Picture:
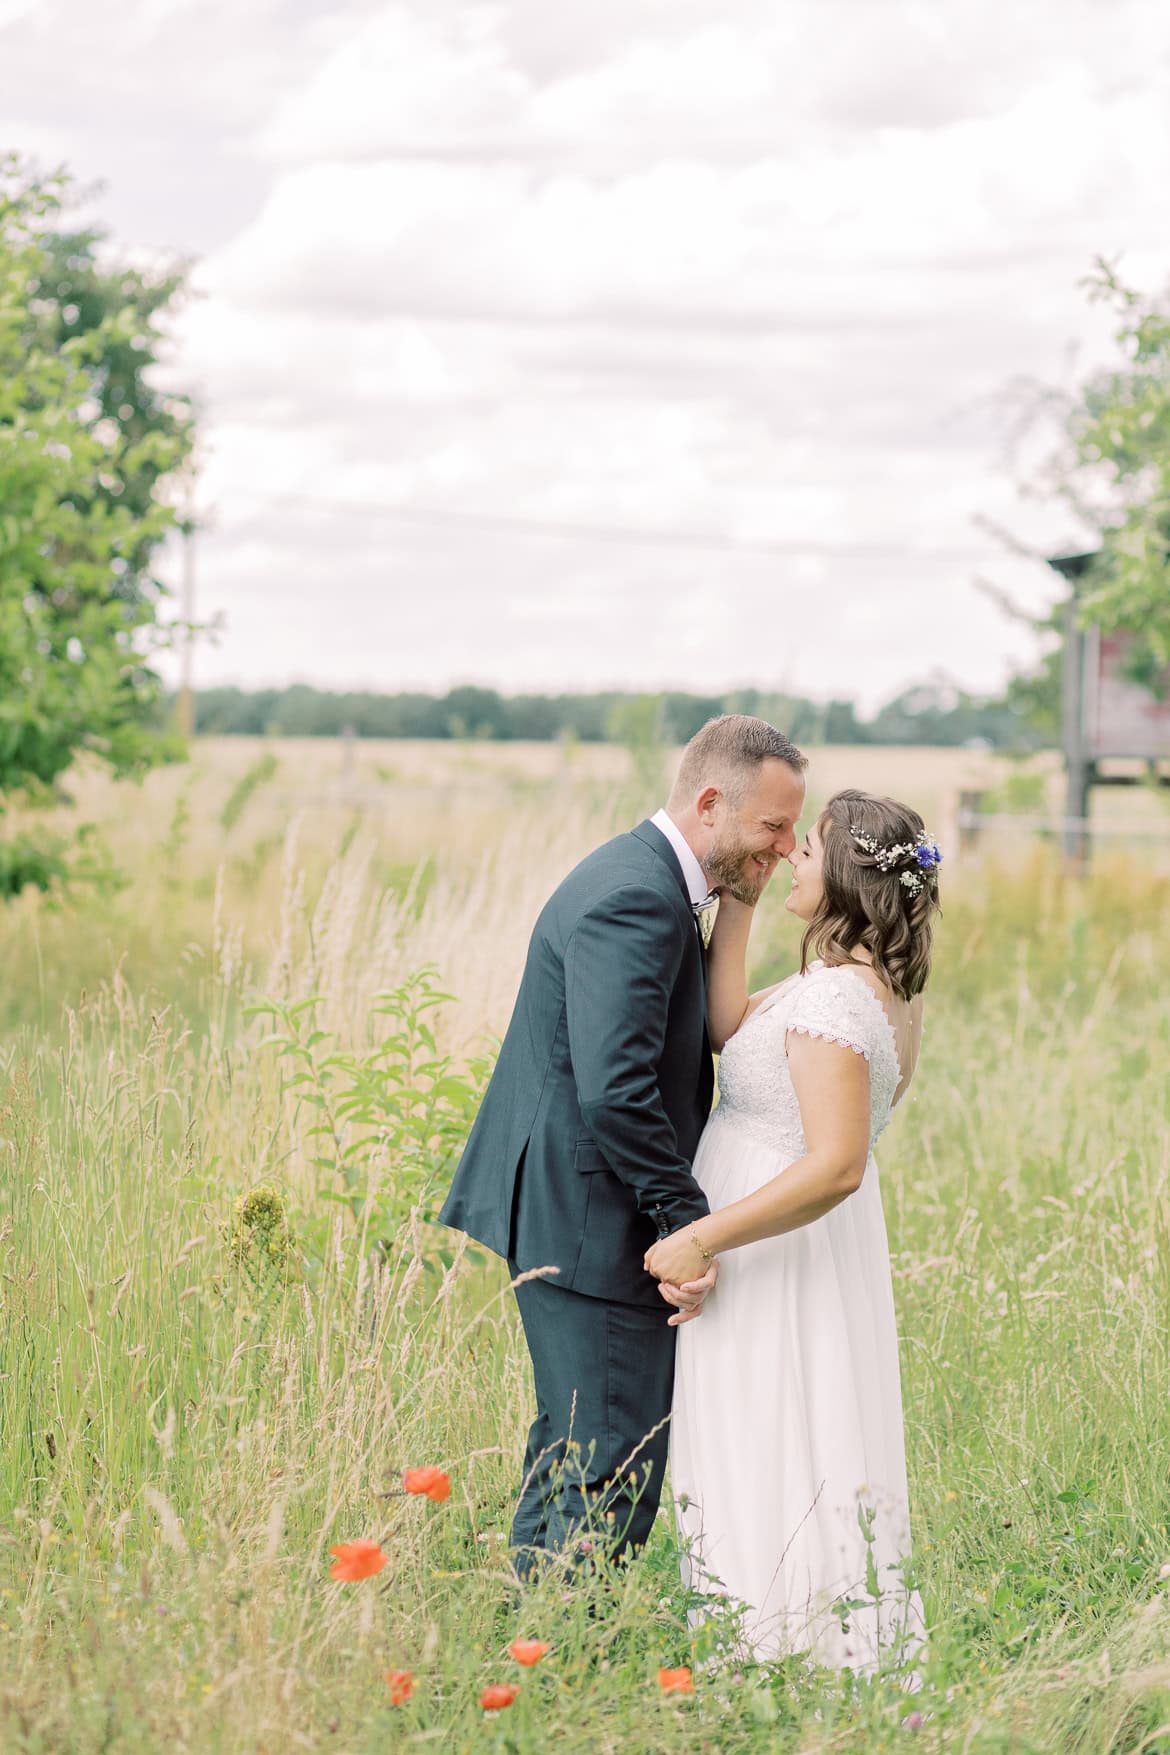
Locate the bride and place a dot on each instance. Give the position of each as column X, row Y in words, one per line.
column 787, row 1455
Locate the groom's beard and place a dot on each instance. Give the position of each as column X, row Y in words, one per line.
column 732, row 867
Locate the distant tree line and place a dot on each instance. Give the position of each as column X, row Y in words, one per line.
column 931, row 713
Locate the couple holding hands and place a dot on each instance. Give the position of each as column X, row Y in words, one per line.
column 716, row 1283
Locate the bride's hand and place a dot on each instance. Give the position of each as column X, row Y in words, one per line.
column 677, row 1258
column 688, row 1300
column 732, row 909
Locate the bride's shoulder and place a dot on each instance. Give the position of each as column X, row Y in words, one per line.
column 839, row 995
column 828, row 976
column 847, row 977
column 825, row 990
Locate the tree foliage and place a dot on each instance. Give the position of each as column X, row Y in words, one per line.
column 1120, row 434
column 88, row 445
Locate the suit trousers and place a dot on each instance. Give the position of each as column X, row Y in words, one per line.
column 596, row 1456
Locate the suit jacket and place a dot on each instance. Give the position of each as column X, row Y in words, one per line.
column 581, row 1152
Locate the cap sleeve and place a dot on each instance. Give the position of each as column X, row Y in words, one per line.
column 834, row 1005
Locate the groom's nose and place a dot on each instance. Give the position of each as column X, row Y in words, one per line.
column 785, row 843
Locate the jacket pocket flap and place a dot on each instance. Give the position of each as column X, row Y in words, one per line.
column 588, row 1156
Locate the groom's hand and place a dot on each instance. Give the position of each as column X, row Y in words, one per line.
column 688, row 1300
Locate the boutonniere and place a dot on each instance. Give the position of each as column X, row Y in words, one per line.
column 705, row 912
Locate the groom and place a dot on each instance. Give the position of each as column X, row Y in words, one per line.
column 581, row 1153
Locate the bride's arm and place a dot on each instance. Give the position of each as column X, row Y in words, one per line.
column 727, row 994
column 729, row 1003
column 832, row 1087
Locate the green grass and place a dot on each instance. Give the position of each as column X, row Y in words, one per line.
column 187, row 1425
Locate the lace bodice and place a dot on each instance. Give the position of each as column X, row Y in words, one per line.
column 755, row 1087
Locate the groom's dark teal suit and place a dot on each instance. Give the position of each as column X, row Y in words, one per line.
column 580, row 1156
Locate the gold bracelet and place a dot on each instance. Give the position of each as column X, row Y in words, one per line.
column 698, row 1242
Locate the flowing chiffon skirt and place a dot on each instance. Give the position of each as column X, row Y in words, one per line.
column 787, row 1453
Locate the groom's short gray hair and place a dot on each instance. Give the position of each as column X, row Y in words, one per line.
column 727, row 752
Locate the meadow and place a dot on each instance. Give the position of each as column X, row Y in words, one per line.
column 234, row 1074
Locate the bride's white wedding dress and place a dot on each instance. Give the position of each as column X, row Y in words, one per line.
column 786, row 1436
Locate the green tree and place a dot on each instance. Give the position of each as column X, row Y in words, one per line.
column 1119, row 471
column 87, row 447
column 473, row 712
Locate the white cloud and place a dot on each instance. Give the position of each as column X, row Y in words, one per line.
column 750, row 271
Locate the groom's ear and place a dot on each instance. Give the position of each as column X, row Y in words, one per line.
column 705, row 804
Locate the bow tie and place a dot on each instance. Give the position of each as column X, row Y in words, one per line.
column 704, row 913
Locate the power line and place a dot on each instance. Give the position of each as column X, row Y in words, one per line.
column 623, row 534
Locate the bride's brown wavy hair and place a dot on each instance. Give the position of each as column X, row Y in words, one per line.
column 864, row 906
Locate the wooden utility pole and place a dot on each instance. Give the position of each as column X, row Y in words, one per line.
column 1078, row 768
column 185, row 712
column 1078, row 763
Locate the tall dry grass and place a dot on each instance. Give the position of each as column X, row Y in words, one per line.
column 188, row 1423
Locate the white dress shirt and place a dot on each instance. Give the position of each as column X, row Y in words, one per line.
column 692, row 871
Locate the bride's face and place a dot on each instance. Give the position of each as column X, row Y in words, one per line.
column 804, row 898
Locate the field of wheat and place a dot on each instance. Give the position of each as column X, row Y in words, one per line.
column 230, row 1092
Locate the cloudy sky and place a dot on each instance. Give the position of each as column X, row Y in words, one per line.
column 649, row 342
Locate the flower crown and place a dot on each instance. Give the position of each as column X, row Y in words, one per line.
column 922, row 850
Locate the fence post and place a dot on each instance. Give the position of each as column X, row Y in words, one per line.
column 970, row 805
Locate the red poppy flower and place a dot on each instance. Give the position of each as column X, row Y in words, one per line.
column 401, row 1686
column 356, row 1560
column 430, row 1481
column 528, row 1651
column 676, row 1681
column 499, row 1695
